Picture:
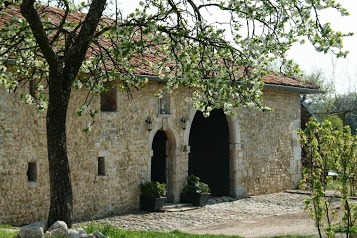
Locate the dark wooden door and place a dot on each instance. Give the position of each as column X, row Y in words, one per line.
column 158, row 161
column 209, row 153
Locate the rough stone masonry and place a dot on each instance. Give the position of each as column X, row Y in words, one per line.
column 108, row 164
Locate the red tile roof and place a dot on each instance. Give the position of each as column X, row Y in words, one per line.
column 55, row 15
column 281, row 79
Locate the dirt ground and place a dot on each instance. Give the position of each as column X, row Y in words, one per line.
column 257, row 216
column 287, row 224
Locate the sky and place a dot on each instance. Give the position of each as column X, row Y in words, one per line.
column 342, row 73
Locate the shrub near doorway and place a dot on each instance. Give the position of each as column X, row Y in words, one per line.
column 195, row 192
column 153, row 196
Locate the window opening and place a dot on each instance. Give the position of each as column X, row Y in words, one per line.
column 32, row 172
column 108, row 98
column 101, row 166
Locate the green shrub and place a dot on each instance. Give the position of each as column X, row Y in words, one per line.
column 194, row 185
column 153, row 190
column 324, row 148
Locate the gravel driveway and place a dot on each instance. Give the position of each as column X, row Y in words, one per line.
column 257, row 216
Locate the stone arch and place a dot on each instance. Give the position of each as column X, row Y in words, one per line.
column 235, row 151
column 165, row 124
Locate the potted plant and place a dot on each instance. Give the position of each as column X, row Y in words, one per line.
column 153, row 195
column 195, row 191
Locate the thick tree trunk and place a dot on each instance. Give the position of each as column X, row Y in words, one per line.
column 61, row 198
column 63, row 70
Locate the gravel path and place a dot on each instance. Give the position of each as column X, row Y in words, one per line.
column 234, row 217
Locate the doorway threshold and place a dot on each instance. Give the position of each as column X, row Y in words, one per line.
column 178, row 207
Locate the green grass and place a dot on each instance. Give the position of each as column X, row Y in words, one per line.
column 5, row 226
column 6, row 233
column 290, row 236
column 113, row 232
column 333, row 184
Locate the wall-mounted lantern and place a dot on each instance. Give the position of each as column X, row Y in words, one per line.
column 184, row 148
column 149, row 123
column 183, row 121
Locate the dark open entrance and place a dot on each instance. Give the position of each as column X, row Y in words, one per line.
column 158, row 160
column 209, row 155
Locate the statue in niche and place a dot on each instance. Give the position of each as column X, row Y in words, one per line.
column 162, row 105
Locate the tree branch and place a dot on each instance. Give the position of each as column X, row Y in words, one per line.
column 60, row 27
column 29, row 12
column 76, row 53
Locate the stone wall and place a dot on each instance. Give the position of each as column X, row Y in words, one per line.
column 271, row 155
column 264, row 154
column 23, row 141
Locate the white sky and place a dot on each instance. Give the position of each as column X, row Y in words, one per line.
column 344, row 74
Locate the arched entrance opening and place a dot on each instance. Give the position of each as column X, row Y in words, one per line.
column 159, row 158
column 209, row 151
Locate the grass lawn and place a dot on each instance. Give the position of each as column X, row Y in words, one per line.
column 119, row 233
column 333, row 185
column 112, row 232
column 6, row 231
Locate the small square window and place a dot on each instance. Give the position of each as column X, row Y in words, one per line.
column 108, row 98
column 101, row 166
column 32, row 172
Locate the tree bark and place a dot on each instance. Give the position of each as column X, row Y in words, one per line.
column 63, row 70
column 61, row 197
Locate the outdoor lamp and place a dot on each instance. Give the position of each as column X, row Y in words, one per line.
column 183, row 121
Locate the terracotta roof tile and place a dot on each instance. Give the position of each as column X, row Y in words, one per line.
column 55, row 15
column 285, row 81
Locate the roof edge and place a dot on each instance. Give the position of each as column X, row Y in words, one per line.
column 311, row 111
column 293, row 88
column 266, row 85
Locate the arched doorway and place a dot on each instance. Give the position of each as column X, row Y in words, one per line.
column 159, row 158
column 209, row 154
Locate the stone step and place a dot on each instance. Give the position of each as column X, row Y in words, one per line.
column 178, row 207
column 214, row 200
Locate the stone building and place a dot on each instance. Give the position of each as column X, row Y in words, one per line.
column 147, row 138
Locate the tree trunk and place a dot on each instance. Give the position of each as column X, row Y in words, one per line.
column 61, row 198
column 62, row 71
